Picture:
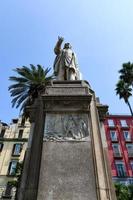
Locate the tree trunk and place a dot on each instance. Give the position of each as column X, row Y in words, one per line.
column 130, row 108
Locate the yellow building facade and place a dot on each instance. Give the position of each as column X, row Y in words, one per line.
column 13, row 144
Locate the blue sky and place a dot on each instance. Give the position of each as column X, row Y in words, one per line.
column 100, row 31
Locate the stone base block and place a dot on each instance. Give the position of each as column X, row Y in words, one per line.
column 67, row 171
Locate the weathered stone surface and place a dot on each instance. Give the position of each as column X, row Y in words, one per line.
column 70, row 168
column 67, row 96
column 67, row 172
column 66, row 104
column 67, row 91
column 67, row 167
column 66, row 125
column 68, row 88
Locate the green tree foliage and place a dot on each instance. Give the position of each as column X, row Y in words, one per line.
column 125, row 84
column 130, row 190
column 126, row 73
column 124, row 92
column 16, row 183
column 121, row 192
column 124, row 192
column 28, row 85
column 19, row 168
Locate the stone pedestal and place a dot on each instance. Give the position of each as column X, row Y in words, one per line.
column 66, row 159
column 72, row 164
column 67, row 172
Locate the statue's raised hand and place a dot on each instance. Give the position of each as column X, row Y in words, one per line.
column 61, row 39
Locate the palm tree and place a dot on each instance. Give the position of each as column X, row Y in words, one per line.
column 30, row 83
column 124, row 91
column 126, row 73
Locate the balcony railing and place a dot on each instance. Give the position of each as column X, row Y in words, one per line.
column 111, row 126
column 125, row 127
column 117, row 154
column 122, row 173
column 128, row 139
column 114, row 139
column 3, row 194
column 130, row 154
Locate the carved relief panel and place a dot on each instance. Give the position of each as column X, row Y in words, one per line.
column 66, row 126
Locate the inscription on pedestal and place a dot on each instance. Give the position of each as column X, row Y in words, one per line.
column 67, row 91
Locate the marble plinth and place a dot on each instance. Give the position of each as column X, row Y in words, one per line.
column 67, row 171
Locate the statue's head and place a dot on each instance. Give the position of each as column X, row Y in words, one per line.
column 67, row 46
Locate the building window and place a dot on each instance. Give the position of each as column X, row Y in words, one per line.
column 131, row 163
column 116, row 150
column 17, row 149
column 12, row 168
column 123, row 123
column 20, row 134
column 2, row 133
column 14, row 121
column 113, row 135
column 127, row 136
column 7, row 194
column 111, row 123
column 1, row 146
column 130, row 149
column 120, row 168
column 23, row 121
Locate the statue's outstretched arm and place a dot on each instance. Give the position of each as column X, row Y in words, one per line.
column 57, row 48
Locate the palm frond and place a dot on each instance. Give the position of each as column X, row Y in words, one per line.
column 18, row 79
column 17, row 85
column 22, row 99
column 126, row 73
column 33, row 67
column 29, row 83
column 17, row 91
column 14, row 100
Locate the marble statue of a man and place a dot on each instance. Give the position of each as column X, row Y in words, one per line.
column 65, row 64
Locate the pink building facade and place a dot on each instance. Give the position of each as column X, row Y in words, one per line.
column 119, row 137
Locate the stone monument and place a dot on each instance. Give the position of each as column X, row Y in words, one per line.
column 65, row 64
column 67, row 160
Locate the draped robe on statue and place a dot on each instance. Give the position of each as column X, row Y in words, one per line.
column 65, row 64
